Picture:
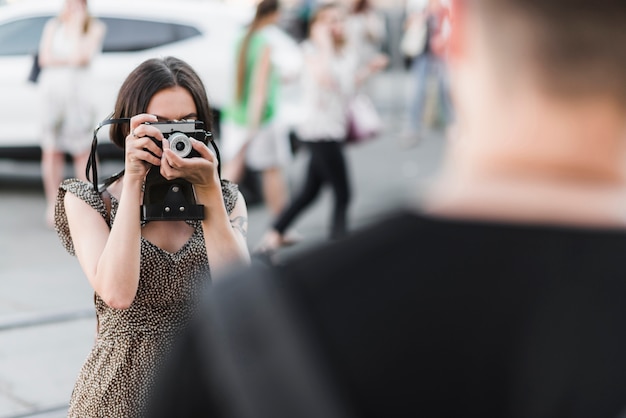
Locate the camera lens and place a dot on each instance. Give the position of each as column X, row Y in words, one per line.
column 180, row 144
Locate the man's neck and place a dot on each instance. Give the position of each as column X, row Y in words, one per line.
column 549, row 162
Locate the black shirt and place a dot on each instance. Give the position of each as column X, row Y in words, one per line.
column 420, row 316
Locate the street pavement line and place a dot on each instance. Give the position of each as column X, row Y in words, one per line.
column 39, row 319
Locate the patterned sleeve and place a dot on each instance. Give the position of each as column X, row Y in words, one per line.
column 230, row 191
column 83, row 191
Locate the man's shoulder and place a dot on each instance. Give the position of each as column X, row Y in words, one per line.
column 383, row 241
column 378, row 240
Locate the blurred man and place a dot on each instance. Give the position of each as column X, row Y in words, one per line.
column 501, row 296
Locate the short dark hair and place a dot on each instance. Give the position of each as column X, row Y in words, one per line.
column 149, row 78
column 577, row 45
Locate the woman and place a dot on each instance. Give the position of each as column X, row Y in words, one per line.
column 330, row 78
column 68, row 45
column 251, row 135
column 146, row 277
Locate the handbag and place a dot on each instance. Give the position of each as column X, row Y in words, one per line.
column 364, row 122
column 413, row 40
column 35, row 69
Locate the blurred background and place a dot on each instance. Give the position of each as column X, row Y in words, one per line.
column 47, row 322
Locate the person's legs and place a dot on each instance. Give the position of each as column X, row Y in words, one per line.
column 311, row 187
column 420, row 71
column 445, row 98
column 52, row 166
column 233, row 144
column 310, row 190
column 336, row 173
column 266, row 153
column 80, row 164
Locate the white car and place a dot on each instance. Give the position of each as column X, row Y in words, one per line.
column 200, row 32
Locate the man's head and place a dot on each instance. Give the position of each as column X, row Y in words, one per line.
column 514, row 62
column 573, row 46
column 569, row 48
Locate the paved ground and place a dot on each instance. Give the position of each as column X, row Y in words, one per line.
column 46, row 320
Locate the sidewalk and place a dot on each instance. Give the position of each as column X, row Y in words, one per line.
column 46, row 314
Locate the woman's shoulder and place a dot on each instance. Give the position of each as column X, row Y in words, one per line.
column 260, row 40
column 83, row 191
column 78, row 187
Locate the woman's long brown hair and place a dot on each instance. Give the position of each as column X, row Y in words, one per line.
column 264, row 9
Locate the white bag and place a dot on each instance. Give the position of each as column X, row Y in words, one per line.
column 364, row 122
column 414, row 38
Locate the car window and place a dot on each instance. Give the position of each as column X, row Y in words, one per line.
column 21, row 37
column 135, row 35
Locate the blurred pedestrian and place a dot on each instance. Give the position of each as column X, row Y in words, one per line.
column 69, row 43
column 501, row 294
column 330, row 78
column 251, row 136
column 366, row 30
column 429, row 74
column 146, row 274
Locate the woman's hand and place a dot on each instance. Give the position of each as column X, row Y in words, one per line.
column 141, row 150
column 200, row 171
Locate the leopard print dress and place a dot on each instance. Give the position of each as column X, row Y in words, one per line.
column 117, row 377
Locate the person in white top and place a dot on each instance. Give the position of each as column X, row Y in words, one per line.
column 69, row 43
column 331, row 75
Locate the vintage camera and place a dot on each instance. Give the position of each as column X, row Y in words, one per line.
column 174, row 199
column 179, row 134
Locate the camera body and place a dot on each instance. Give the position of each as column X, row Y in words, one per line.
column 178, row 133
column 173, row 199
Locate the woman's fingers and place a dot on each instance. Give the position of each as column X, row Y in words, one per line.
column 199, row 169
column 138, row 125
column 144, row 141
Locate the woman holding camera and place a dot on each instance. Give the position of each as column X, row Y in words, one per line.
column 146, row 275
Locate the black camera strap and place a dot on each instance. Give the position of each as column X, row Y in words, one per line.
column 91, row 169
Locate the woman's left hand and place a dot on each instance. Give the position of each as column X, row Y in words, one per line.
column 201, row 171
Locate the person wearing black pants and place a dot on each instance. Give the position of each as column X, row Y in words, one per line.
column 327, row 165
column 331, row 76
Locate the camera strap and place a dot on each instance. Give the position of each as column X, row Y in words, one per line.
column 91, row 170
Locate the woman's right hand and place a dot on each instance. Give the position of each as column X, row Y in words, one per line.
column 141, row 151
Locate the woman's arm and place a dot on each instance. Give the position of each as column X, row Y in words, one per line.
column 224, row 234
column 111, row 258
column 46, row 58
column 90, row 43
